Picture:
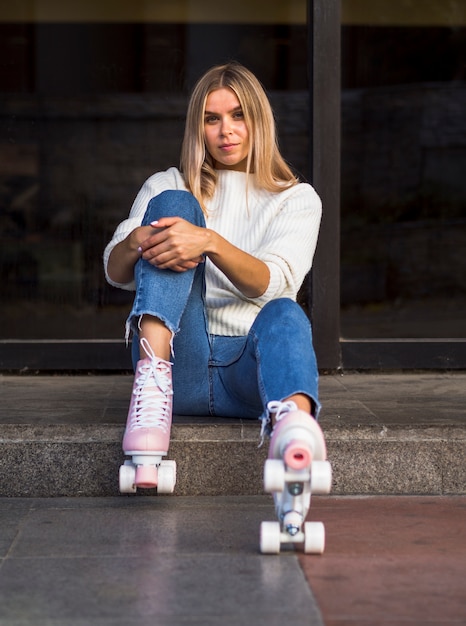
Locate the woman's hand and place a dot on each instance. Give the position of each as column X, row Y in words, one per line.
column 162, row 245
column 173, row 243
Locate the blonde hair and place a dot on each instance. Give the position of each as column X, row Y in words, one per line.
column 264, row 158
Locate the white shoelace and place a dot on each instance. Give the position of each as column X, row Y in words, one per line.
column 152, row 391
column 279, row 409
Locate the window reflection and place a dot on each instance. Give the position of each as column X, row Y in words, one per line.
column 93, row 102
column 403, row 163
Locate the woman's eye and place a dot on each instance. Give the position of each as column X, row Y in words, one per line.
column 210, row 119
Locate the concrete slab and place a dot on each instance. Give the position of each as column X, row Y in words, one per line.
column 166, row 561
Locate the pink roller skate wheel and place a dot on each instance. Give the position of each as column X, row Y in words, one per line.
column 297, row 456
column 146, row 476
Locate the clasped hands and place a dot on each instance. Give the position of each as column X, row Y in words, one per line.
column 172, row 243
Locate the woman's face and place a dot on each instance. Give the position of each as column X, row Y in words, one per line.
column 226, row 133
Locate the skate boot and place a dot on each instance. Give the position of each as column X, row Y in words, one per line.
column 295, row 468
column 147, row 434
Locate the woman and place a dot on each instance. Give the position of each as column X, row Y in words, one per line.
column 216, row 252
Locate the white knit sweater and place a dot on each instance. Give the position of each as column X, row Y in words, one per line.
column 281, row 229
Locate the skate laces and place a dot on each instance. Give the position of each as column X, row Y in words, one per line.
column 152, row 390
column 277, row 408
column 281, row 408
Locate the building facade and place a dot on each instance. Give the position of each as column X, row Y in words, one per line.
column 370, row 102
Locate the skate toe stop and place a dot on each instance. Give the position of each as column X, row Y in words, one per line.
column 146, row 476
column 297, row 456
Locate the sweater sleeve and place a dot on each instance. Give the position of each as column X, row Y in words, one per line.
column 153, row 186
column 290, row 241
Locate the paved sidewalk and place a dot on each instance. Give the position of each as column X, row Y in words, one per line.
column 192, row 559
column 164, row 561
column 176, row 561
column 391, row 561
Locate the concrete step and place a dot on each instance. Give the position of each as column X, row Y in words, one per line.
column 386, row 434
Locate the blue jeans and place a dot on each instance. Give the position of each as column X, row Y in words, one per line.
column 220, row 375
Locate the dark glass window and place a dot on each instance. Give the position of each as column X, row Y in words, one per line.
column 92, row 103
column 403, row 199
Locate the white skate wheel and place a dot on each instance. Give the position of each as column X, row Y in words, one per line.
column 274, row 475
column 166, row 477
column 314, row 538
column 270, row 538
column 321, row 477
column 127, row 478
column 169, row 463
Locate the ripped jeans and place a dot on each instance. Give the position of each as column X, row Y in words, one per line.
column 222, row 375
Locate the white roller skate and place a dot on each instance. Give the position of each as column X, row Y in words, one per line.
column 147, row 434
column 296, row 466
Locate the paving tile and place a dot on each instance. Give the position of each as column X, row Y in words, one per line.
column 395, row 398
column 124, row 526
column 390, row 560
column 165, row 561
column 64, row 399
column 11, row 517
column 408, row 398
column 208, row 586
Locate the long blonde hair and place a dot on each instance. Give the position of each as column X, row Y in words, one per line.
column 264, row 158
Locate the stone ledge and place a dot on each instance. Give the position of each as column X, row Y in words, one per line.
column 386, row 434
column 224, row 458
